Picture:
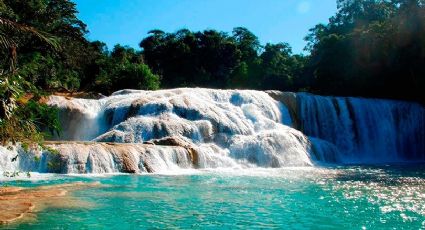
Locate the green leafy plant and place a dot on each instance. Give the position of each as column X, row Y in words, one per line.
column 27, row 122
column 54, row 163
column 21, row 119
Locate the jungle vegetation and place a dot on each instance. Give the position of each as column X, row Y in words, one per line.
column 369, row 48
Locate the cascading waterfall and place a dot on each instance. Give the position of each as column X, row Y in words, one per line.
column 365, row 130
column 204, row 128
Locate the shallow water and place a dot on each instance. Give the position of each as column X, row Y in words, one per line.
column 366, row 197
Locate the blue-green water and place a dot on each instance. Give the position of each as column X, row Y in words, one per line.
column 296, row 198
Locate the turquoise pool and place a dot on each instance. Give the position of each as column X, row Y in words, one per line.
column 297, row 198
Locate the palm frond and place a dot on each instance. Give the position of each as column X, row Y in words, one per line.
column 5, row 41
column 10, row 26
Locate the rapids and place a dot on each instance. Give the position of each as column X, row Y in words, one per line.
column 207, row 128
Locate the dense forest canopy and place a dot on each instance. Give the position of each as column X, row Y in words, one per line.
column 216, row 59
column 369, row 48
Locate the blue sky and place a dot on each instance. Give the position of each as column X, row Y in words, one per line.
column 128, row 21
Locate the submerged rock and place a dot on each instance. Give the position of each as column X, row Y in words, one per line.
column 16, row 202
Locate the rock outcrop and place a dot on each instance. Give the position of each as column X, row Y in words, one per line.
column 289, row 99
column 93, row 157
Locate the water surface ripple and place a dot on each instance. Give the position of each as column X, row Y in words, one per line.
column 384, row 197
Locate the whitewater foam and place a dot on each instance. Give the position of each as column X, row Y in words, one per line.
column 235, row 129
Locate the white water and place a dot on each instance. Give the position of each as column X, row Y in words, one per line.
column 365, row 130
column 233, row 129
column 15, row 159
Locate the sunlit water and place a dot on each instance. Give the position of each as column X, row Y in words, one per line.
column 383, row 197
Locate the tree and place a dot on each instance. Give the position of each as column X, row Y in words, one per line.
column 122, row 68
column 188, row 58
column 21, row 120
column 247, row 43
column 370, row 48
column 57, row 70
column 247, row 73
column 277, row 64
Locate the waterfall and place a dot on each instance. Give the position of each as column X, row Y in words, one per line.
column 156, row 131
column 365, row 130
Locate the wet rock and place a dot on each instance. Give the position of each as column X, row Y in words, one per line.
column 95, row 157
column 16, row 202
column 116, row 136
column 171, row 141
column 289, row 99
column 177, row 141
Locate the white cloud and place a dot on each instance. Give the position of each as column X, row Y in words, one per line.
column 303, row 7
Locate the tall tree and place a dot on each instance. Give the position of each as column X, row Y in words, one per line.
column 188, row 58
column 20, row 121
column 371, row 48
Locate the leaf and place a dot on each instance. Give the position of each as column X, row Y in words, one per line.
column 13, row 27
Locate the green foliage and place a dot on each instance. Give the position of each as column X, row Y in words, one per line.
column 51, row 150
column 43, row 116
column 62, row 68
column 37, row 159
column 26, row 123
column 47, row 73
column 53, row 165
column 216, row 59
column 12, row 128
column 123, row 68
column 54, row 162
column 20, row 117
column 277, row 64
column 371, row 48
column 188, row 58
